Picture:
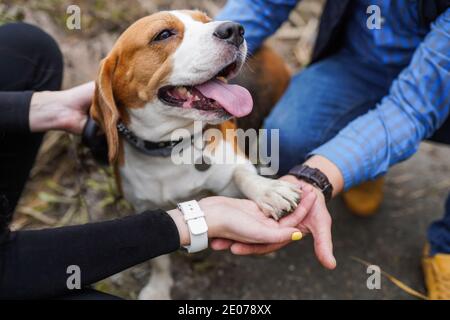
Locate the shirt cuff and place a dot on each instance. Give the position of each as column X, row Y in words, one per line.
column 15, row 111
column 344, row 154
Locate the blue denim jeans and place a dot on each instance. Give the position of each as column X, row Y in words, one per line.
column 321, row 100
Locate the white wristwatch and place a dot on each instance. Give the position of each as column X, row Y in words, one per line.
column 195, row 219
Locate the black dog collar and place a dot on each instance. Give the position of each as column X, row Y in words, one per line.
column 150, row 148
column 95, row 140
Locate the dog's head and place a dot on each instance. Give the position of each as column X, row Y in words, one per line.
column 167, row 70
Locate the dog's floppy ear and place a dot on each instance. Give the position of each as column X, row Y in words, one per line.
column 103, row 109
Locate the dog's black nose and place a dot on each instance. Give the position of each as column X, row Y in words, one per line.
column 231, row 32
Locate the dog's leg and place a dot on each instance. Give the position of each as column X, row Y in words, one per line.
column 276, row 198
column 161, row 281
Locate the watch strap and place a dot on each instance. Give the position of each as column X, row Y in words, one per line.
column 198, row 229
column 315, row 177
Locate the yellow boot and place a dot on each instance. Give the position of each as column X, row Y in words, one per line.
column 436, row 270
column 365, row 199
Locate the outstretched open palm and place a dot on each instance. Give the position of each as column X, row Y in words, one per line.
column 311, row 216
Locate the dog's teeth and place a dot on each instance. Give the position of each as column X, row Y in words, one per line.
column 222, row 79
column 182, row 90
column 188, row 94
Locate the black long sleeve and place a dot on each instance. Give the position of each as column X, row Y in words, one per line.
column 33, row 263
column 14, row 111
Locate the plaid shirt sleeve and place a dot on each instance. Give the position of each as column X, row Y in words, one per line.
column 417, row 104
column 260, row 18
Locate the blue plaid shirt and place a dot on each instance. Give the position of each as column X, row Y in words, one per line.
column 419, row 98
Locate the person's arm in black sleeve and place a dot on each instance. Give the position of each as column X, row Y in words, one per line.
column 14, row 111
column 33, row 263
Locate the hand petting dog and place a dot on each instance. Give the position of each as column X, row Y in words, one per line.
column 61, row 110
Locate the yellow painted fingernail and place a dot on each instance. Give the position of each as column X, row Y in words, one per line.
column 296, row 236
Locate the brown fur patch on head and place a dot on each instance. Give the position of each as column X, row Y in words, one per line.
column 198, row 15
column 131, row 74
column 144, row 64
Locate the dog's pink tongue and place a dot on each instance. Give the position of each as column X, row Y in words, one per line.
column 233, row 98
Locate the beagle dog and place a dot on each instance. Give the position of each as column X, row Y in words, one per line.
column 166, row 72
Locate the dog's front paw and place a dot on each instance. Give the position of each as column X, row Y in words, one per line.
column 277, row 198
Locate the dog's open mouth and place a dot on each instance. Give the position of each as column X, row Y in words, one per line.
column 213, row 95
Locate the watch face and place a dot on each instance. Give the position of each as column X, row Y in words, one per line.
column 197, row 226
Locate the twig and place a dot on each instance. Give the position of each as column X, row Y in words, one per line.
column 394, row 280
column 37, row 215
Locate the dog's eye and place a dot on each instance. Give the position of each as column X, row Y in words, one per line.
column 163, row 35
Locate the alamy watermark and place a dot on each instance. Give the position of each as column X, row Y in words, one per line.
column 73, row 21
column 215, row 147
column 374, row 280
column 74, row 279
column 375, row 20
